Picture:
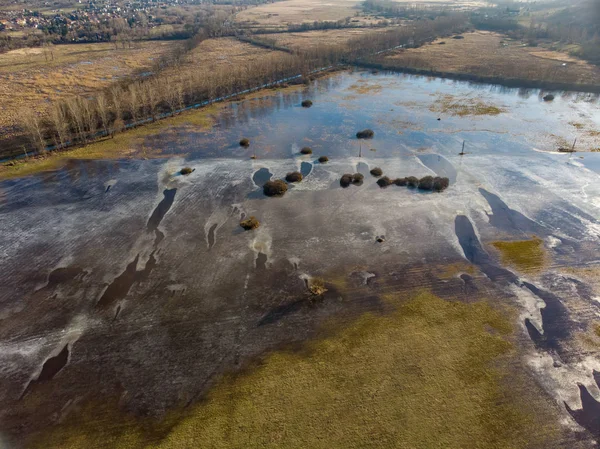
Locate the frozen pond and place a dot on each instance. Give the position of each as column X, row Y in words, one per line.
column 112, row 268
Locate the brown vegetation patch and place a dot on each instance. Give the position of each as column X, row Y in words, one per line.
column 250, row 223
column 463, row 107
column 364, row 87
column 28, row 80
column 277, row 187
column 316, row 286
column 384, row 182
column 365, row 134
column 376, row 171
column 492, row 55
column 294, row 176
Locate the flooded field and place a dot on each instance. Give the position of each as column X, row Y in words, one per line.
column 136, row 312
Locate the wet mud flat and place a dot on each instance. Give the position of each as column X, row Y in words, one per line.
column 148, row 292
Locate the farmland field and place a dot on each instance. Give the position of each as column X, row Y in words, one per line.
column 32, row 77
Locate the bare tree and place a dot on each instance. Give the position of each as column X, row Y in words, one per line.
column 88, row 113
column 32, row 124
column 60, row 123
column 103, row 111
column 133, row 101
column 76, row 117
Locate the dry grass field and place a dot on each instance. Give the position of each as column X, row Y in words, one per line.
column 298, row 11
column 224, row 51
column 311, row 39
column 490, row 54
column 29, row 77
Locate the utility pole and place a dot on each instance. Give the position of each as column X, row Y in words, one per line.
column 462, row 152
column 572, row 149
column 360, row 149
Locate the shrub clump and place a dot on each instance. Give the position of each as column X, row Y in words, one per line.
column 548, row 97
column 186, row 170
column 323, row 159
column 357, row 178
column 245, row 143
column 412, row 181
column 348, row 179
column 275, row 188
column 384, row 182
column 294, row 176
column 316, row 286
column 306, row 150
column 250, row 223
column 426, row 183
column 376, row 171
column 440, row 184
column 307, row 104
column 400, row 182
column 365, row 134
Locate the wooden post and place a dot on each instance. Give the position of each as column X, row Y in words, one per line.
column 462, row 152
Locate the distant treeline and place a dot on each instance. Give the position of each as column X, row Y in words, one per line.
column 79, row 120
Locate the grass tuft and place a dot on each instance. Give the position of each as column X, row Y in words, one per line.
column 528, row 256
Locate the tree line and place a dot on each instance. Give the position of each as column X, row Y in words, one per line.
column 177, row 85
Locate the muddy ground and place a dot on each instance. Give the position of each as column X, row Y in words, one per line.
column 126, row 281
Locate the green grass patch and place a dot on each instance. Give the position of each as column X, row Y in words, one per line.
column 528, row 256
column 431, row 374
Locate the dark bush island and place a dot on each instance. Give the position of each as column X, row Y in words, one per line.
column 294, row 176
column 250, row 223
column 548, row 97
column 412, row 181
column 306, row 150
column 186, row 170
column 275, row 188
column 440, row 184
column 323, row 159
column 357, row 178
column 346, row 180
column 307, row 104
column 376, row 171
column 245, row 143
column 384, row 182
column 365, row 134
column 400, row 182
column 426, row 183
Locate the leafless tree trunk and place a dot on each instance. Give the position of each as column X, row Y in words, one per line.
column 32, row 124
column 103, row 111
column 133, row 102
column 89, row 117
column 60, row 122
column 75, row 112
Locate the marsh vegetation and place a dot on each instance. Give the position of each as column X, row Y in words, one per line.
column 276, row 187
